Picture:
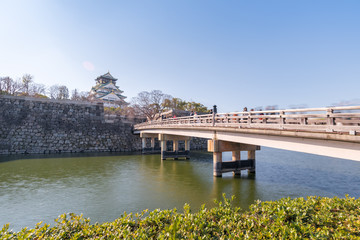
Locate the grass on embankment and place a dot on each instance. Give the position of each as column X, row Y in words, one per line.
column 313, row 218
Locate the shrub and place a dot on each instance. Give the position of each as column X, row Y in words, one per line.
column 311, row 218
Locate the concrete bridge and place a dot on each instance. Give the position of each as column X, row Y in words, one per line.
column 333, row 132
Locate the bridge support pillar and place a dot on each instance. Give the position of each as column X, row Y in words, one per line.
column 251, row 157
column 153, row 143
column 175, row 154
column 217, row 162
column 144, row 148
column 175, row 147
column 163, row 149
column 236, row 156
column 236, row 165
column 187, row 145
column 143, row 143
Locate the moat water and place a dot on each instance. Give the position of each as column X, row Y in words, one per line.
column 103, row 186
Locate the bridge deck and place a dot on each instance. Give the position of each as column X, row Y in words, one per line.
column 325, row 131
column 337, row 119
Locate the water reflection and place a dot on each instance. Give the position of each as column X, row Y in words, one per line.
column 103, row 186
column 244, row 188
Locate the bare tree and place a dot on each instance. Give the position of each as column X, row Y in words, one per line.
column 63, row 92
column 37, row 90
column 9, row 86
column 26, row 80
column 76, row 95
column 5, row 83
column 85, row 96
column 2, row 85
column 15, row 88
column 150, row 104
column 59, row 92
column 54, row 91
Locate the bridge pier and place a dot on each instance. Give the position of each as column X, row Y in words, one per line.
column 236, row 155
column 251, row 156
column 152, row 148
column 175, row 154
column 236, row 165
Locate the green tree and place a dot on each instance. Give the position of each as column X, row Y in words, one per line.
column 179, row 104
column 196, row 107
column 175, row 103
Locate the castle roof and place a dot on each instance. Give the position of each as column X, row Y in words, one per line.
column 107, row 76
column 114, row 94
column 108, row 85
column 103, row 90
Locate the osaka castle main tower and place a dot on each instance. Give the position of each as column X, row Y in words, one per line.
column 107, row 91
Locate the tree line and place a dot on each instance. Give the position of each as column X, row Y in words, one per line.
column 25, row 86
column 146, row 104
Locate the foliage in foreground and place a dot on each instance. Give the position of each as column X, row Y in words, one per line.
column 312, row 218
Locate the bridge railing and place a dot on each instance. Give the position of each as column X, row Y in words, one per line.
column 334, row 119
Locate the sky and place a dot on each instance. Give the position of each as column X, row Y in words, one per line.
column 229, row 53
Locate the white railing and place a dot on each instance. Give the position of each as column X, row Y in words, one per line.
column 334, row 119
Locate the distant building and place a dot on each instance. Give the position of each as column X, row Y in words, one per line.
column 107, row 91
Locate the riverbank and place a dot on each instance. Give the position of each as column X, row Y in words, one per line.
column 314, row 217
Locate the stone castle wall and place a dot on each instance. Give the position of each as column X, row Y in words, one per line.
column 32, row 125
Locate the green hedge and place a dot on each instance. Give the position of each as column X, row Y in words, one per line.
column 312, row 218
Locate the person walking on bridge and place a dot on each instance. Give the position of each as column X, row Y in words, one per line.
column 245, row 114
column 196, row 118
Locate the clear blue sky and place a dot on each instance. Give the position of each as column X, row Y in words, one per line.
column 229, row 53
